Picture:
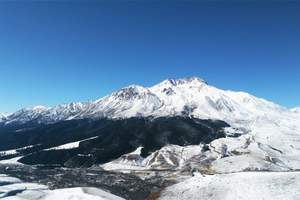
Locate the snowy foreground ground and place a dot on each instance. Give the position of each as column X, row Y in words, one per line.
column 237, row 186
column 14, row 189
column 233, row 186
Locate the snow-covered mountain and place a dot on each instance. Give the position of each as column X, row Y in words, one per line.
column 297, row 109
column 272, row 130
column 187, row 96
column 170, row 135
column 266, row 123
column 2, row 117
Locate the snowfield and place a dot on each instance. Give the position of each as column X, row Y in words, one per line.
column 237, row 186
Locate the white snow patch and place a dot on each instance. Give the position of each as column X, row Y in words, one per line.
column 15, row 151
column 72, row 145
column 12, row 161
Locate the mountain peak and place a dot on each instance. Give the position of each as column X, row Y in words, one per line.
column 192, row 79
column 131, row 91
column 134, row 87
column 297, row 109
column 39, row 107
column 2, row 116
column 182, row 81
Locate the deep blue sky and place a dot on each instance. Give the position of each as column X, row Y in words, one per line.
column 53, row 53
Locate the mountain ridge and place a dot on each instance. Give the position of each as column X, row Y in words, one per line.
column 296, row 109
column 171, row 97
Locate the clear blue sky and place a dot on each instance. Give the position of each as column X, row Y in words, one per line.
column 53, row 53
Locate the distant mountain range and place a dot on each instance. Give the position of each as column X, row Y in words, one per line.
column 181, row 97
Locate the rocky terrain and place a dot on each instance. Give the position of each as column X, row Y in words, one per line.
column 124, row 185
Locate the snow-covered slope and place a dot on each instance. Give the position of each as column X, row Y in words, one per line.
column 237, row 186
column 130, row 161
column 168, row 157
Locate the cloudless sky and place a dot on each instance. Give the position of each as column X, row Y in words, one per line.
column 59, row 52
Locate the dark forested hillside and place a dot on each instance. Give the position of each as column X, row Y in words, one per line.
column 106, row 139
